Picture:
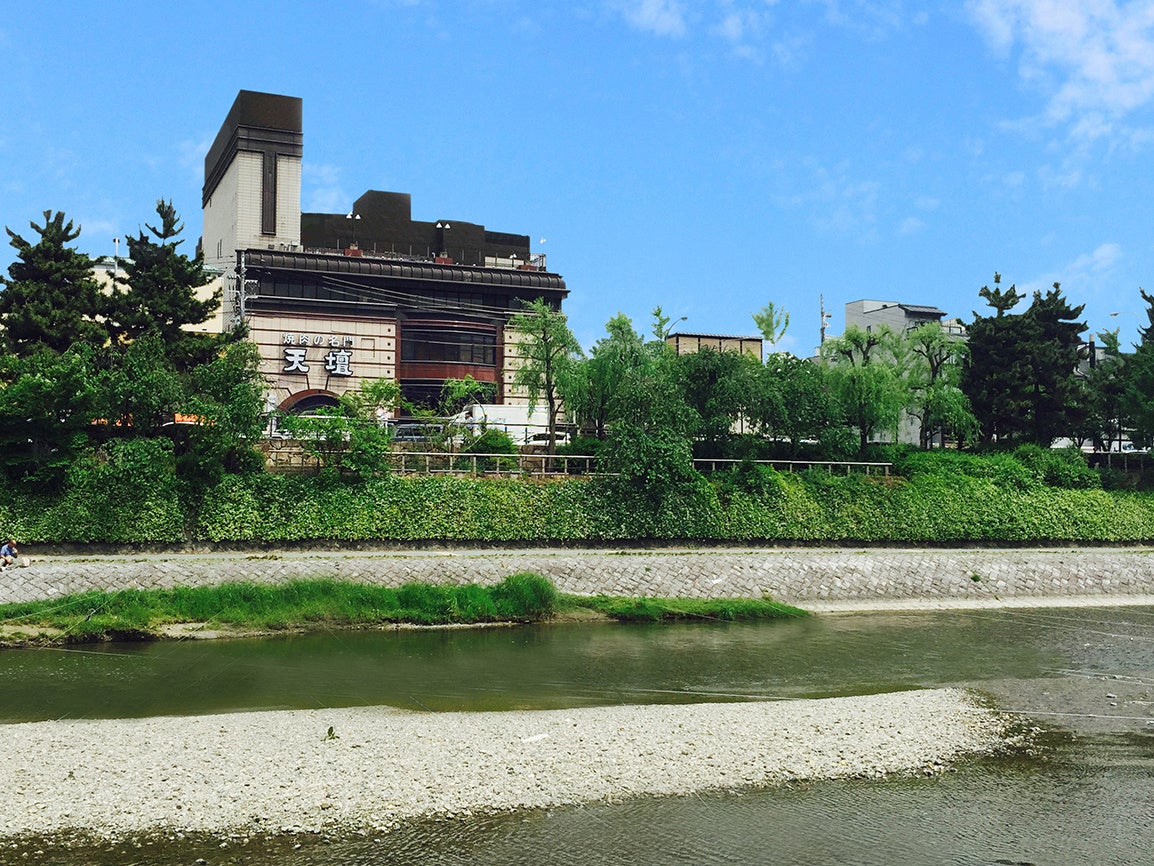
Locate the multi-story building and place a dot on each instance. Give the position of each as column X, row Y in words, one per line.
column 333, row 300
column 898, row 317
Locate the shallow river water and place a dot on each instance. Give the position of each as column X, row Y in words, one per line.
column 1086, row 675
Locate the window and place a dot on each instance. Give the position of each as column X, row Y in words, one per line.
column 452, row 346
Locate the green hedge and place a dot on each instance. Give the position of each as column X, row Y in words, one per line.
column 965, row 502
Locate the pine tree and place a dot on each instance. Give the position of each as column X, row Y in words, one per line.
column 159, row 294
column 1021, row 370
column 50, row 299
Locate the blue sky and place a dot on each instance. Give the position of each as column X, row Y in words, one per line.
column 707, row 156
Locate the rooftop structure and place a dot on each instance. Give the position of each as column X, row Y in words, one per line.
column 684, row 344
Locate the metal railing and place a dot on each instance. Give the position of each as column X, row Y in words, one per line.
column 289, row 456
column 542, row 465
column 832, row 466
column 442, row 463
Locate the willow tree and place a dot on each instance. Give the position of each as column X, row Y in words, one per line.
column 545, row 351
column 866, row 373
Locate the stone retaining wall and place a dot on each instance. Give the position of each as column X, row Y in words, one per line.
column 798, row 576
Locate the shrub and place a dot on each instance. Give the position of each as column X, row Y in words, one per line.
column 582, row 446
column 525, row 595
column 1058, row 467
column 489, row 442
column 762, row 482
column 1002, row 469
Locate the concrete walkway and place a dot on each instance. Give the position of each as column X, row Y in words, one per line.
column 814, row 578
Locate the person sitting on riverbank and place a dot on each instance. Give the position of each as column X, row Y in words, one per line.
column 8, row 554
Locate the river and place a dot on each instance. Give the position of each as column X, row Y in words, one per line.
column 1085, row 675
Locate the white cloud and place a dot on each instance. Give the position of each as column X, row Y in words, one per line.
column 1067, row 176
column 190, row 156
column 837, row 202
column 910, row 225
column 874, row 18
column 98, row 234
column 748, row 26
column 324, row 192
column 1101, row 259
column 1090, row 277
column 1093, row 60
column 660, row 17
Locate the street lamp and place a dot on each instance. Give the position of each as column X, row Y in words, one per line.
column 442, row 227
column 355, row 217
column 665, row 334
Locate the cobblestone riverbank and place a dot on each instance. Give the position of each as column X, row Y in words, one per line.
column 815, row 578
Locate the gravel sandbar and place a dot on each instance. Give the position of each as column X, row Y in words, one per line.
column 282, row 771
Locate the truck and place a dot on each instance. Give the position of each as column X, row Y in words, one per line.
column 521, row 423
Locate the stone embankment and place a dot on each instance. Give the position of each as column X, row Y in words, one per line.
column 369, row 768
column 814, row 578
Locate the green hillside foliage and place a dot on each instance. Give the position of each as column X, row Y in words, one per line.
column 132, row 496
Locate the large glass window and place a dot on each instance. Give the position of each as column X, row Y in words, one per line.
column 454, row 346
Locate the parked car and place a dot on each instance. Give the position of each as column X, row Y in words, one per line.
column 541, row 440
column 412, row 432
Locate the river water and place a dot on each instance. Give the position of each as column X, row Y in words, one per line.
column 1086, row 676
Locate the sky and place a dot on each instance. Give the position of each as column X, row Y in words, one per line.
column 707, row 156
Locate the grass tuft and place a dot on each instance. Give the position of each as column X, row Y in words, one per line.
column 683, row 609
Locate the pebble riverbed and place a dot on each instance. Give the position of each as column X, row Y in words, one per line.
column 371, row 768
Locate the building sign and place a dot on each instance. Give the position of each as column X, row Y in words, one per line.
column 337, row 360
column 333, row 340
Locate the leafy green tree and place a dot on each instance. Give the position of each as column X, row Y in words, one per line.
column 46, row 416
column 867, row 376
column 721, row 389
column 50, row 298
column 457, row 394
column 772, row 323
column 546, row 350
column 939, row 404
column 591, row 386
column 995, row 369
column 349, row 438
column 649, row 444
column 1056, row 394
column 793, row 401
column 1137, row 397
column 1103, row 419
column 140, row 390
column 159, row 292
column 661, row 327
column 223, row 405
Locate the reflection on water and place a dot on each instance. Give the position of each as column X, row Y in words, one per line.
column 532, row 667
column 1089, row 799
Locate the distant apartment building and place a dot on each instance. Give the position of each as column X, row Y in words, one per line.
column 898, row 317
column 336, row 299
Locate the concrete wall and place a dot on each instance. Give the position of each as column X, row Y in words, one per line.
column 807, row 577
